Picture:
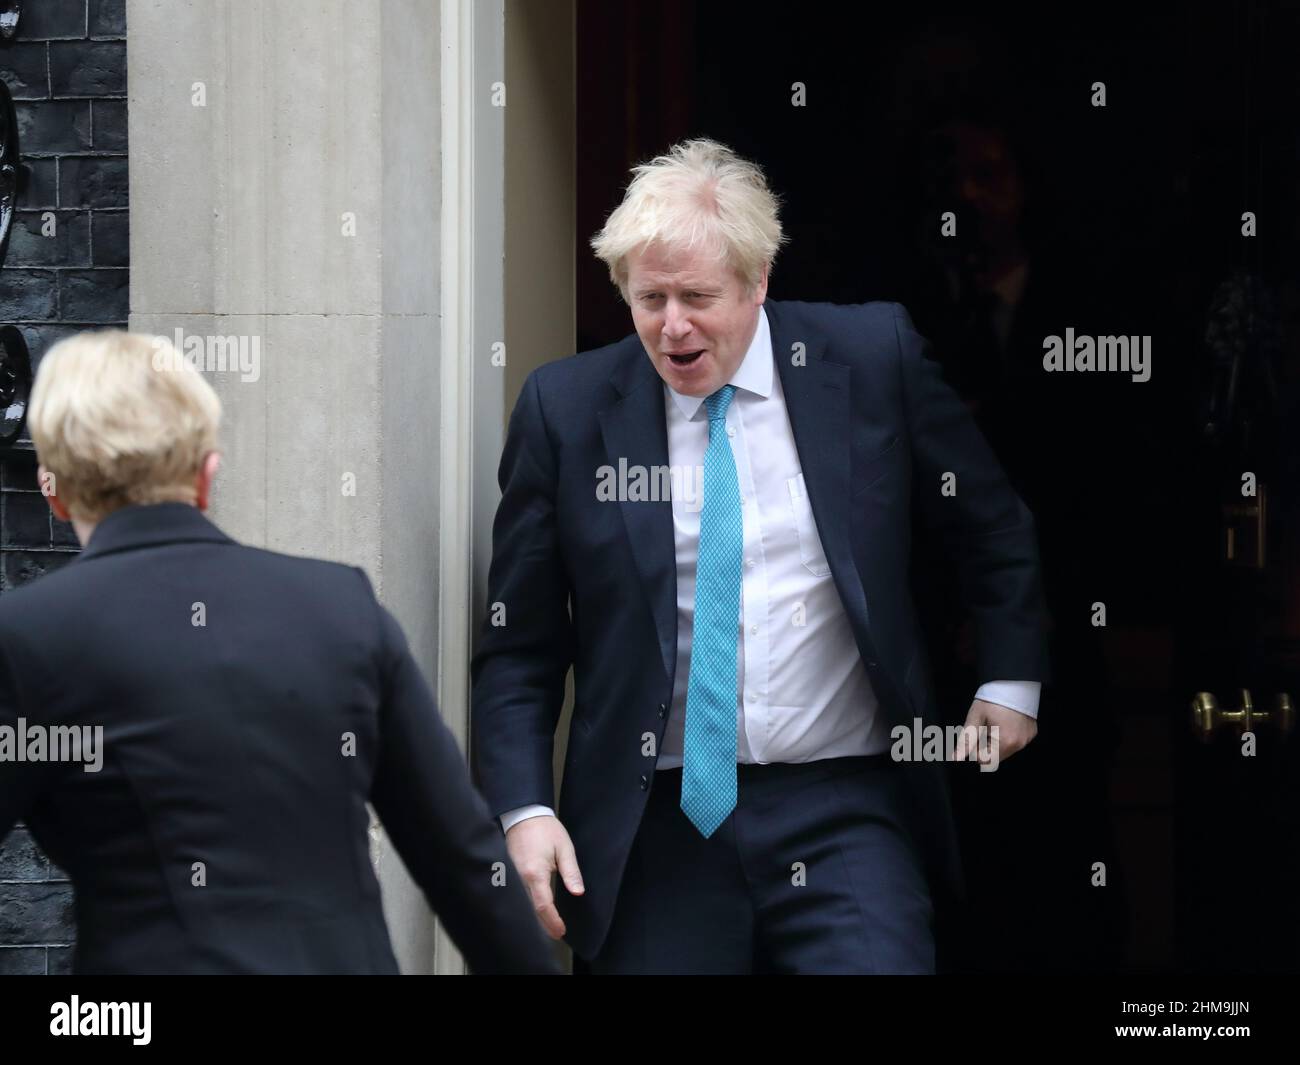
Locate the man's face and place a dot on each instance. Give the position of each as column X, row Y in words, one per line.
column 693, row 316
column 987, row 179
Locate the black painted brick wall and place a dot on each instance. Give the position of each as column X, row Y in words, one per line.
column 66, row 69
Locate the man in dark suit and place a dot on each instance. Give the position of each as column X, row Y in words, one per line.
column 192, row 728
column 744, row 642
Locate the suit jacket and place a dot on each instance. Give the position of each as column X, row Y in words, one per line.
column 251, row 704
column 594, row 583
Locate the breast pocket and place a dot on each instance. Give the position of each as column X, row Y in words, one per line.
column 810, row 545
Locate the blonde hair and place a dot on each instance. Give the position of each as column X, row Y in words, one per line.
column 700, row 194
column 119, row 419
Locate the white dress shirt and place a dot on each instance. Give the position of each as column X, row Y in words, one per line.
column 803, row 692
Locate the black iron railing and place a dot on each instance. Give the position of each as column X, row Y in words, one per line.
column 15, row 361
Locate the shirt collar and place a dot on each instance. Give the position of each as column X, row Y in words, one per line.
column 754, row 374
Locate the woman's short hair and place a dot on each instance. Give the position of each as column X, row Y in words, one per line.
column 119, row 419
column 700, row 194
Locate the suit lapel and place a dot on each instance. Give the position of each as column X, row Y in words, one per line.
column 635, row 429
column 817, row 402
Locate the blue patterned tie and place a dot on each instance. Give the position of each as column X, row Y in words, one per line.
column 709, row 750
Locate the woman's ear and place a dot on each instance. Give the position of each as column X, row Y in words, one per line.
column 207, row 473
column 46, row 480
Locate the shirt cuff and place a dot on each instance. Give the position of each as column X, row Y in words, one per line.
column 1019, row 695
column 521, row 813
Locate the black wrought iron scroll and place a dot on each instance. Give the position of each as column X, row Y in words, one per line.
column 15, row 362
column 10, row 12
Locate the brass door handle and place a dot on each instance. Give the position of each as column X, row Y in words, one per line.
column 1208, row 715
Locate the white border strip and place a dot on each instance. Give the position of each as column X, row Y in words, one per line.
column 456, row 374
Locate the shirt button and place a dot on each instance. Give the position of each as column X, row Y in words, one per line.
column 749, row 563
column 731, row 430
column 751, row 696
column 753, row 630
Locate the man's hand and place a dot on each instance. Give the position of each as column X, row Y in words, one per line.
column 1014, row 731
column 539, row 846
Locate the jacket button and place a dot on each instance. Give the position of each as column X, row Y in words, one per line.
column 872, row 664
column 645, row 782
column 662, row 709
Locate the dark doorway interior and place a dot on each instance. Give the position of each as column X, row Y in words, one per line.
column 1126, row 220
